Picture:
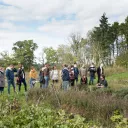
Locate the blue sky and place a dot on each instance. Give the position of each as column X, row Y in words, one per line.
column 50, row 22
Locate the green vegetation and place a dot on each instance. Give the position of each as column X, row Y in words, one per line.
column 84, row 108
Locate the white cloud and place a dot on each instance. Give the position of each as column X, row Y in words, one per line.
column 52, row 33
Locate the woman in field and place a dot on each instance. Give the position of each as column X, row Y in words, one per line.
column 54, row 75
column 33, row 76
column 41, row 78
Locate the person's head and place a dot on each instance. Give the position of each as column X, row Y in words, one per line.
column 72, row 66
column 102, row 77
column 65, row 65
column 75, row 65
column 47, row 65
column 32, row 68
column 84, row 76
column 20, row 65
column 11, row 66
column 54, row 68
column 2, row 68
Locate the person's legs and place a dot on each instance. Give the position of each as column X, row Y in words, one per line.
column 90, row 81
column 19, row 86
column 72, row 82
column 31, row 85
column 9, row 84
column 65, row 85
column 76, row 80
column 25, row 85
column 46, row 81
column 13, row 84
column 98, row 79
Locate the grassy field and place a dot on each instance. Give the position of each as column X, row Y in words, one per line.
column 95, row 105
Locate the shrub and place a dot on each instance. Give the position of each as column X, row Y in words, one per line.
column 121, row 93
column 95, row 105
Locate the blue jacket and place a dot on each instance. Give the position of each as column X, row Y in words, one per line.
column 65, row 75
column 10, row 74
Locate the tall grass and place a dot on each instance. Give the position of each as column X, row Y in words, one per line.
column 96, row 105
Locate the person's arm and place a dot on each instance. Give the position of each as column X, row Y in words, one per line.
column 78, row 71
column 7, row 73
column 14, row 70
column 18, row 73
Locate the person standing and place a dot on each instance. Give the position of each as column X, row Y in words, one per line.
column 100, row 71
column 21, row 77
column 41, row 78
column 76, row 72
column 92, row 71
column 10, row 77
column 72, row 76
column 46, row 75
column 83, row 71
column 2, row 80
column 54, row 75
column 65, row 78
column 33, row 76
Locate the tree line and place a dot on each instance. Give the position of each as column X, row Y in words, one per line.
column 106, row 43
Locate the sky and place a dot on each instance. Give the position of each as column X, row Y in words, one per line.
column 50, row 22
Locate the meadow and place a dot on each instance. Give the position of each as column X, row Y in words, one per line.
column 77, row 108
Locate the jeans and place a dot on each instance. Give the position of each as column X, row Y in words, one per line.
column 91, row 80
column 32, row 82
column 11, row 82
column 65, row 85
column 25, row 85
column 46, row 82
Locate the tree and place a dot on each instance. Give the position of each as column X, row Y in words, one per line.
column 51, row 55
column 7, row 59
column 75, row 39
column 115, row 35
column 122, row 59
column 24, row 52
column 65, row 55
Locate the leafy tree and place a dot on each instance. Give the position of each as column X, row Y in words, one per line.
column 24, row 52
column 7, row 59
column 115, row 35
column 65, row 55
column 122, row 59
column 75, row 39
column 51, row 55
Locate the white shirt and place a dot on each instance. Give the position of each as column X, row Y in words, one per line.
column 54, row 74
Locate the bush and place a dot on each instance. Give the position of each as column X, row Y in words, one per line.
column 95, row 105
column 41, row 117
column 121, row 93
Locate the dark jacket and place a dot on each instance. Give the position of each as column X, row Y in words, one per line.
column 46, row 72
column 92, row 71
column 76, row 72
column 21, row 73
column 65, row 75
column 2, row 80
column 41, row 77
column 99, row 71
column 10, row 73
column 103, row 83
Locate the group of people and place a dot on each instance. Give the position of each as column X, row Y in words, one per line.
column 69, row 76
